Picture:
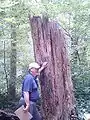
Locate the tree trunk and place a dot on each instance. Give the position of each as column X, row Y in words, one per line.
column 12, row 88
column 5, row 71
column 56, row 86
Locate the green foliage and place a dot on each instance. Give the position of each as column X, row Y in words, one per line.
column 3, row 100
column 73, row 15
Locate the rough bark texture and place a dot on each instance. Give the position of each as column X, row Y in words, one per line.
column 56, row 86
column 7, row 116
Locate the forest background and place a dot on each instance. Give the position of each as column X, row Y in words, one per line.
column 16, row 45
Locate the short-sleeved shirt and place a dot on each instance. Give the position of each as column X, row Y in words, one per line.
column 30, row 85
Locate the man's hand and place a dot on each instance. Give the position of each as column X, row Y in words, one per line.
column 44, row 65
column 26, row 108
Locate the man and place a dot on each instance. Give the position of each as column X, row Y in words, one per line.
column 30, row 93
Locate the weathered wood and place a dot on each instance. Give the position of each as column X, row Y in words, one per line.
column 7, row 116
column 56, row 85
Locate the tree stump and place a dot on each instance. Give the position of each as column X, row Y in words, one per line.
column 50, row 45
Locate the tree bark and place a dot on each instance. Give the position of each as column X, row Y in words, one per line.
column 7, row 116
column 50, row 45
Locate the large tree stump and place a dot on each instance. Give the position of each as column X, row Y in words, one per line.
column 56, row 86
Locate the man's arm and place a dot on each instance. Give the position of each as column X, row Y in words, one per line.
column 44, row 65
column 26, row 98
column 27, row 89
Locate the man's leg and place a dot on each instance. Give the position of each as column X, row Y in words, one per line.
column 34, row 111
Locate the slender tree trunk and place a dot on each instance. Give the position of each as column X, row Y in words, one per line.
column 12, row 88
column 56, row 85
column 6, row 75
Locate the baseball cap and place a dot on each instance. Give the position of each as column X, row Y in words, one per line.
column 34, row 65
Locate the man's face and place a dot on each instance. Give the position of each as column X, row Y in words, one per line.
column 35, row 71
